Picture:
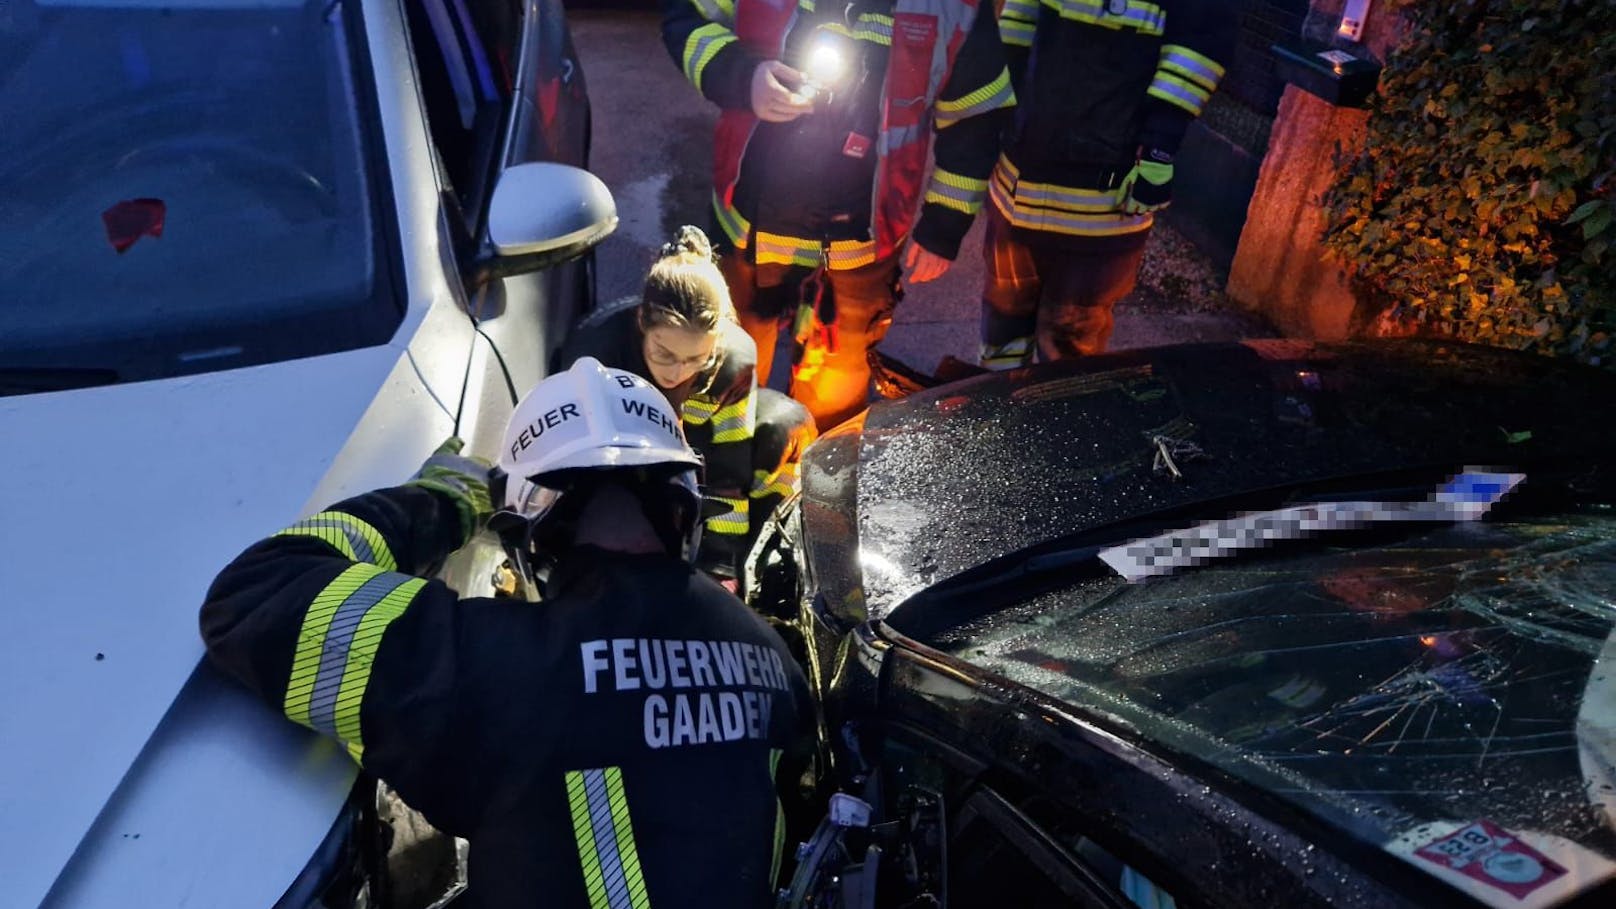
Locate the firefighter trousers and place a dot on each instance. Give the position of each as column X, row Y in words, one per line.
column 836, row 384
column 1053, row 293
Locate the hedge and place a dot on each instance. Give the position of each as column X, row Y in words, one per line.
column 1482, row 204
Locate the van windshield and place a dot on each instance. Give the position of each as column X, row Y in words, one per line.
column 183, row 187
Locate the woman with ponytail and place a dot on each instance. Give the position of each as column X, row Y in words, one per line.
column 682, row 336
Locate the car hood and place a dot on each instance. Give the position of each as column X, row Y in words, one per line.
column 921, row 488
column 111, row 530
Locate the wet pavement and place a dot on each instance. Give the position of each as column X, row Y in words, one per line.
column 652, row 146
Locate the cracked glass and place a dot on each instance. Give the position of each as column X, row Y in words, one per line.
column 1398, row 685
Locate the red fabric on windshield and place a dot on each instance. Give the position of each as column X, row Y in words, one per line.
column 132, row 219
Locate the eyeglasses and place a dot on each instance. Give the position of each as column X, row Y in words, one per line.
column 660, row 356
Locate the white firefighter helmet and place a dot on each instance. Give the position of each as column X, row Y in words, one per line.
column 588, row 425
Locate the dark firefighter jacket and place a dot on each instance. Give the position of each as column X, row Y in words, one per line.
column 719, row 410
column 848, row 179
column 615, row 745
column 1096, row 81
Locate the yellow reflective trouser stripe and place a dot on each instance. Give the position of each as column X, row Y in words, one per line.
column 337, row 644
column 1016, row 33
column 851, row 253
column 698, row 410
column 702, row 46
column 1198, row 68
column 1046, row 207
column 994, row 95
column 1183, row 93
column 605, row 835
column 837, row 28
column 775, row 249
column 956, row 192
column 779, row 821
column 346, row 534
column 735, row 521
column 1146, row 18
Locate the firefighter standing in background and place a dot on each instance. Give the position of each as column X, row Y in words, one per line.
column 681, row 335
column 827, row 116
column 615, row 745
column 1105, row 89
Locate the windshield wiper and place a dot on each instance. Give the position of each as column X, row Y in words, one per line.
column 23, row 380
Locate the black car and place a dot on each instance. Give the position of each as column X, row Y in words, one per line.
column 1234, row 625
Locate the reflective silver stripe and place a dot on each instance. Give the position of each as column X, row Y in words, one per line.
column 1016, row 33
column 338, row 638
column 361, row 547
column 1177, row 91
column 1030, row 217
column 1147, row 18
column 715, row 11
column 892, row 140
column 999, row 95
column 701, row 47
column 1182, row 61
column 968, row 201
column 1026, row 10
column 606, row 845
column 873, row 27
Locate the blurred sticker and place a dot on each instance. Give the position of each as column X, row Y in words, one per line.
column 1487, row 853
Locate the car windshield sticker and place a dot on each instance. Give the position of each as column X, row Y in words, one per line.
column 1465, row 497
column 1487, row 853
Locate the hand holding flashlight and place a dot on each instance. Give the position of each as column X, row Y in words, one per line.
column 826, row 64
column 772, row 101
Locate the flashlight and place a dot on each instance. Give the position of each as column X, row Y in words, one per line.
column 825, row 66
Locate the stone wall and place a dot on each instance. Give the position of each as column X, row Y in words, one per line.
column 1281, row 270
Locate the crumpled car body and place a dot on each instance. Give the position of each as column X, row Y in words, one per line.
column 1357, row 697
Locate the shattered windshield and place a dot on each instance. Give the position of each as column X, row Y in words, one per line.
column 1439, row 689
column 184, row 189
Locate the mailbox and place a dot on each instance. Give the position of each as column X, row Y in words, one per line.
column 1336, row 75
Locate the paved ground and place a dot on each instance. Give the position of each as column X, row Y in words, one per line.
column 652, row 147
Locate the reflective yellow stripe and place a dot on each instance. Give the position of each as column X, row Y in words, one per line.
column 837, row 28
column 1197, row 68
column 779, row 821
column 875, row 28
column 736, row 227
column 722, row 11
column 782, row 482
column 698, row 409
column 1182, row 92
column 702, row 46
column 367, row 639
column 348, row 535
column 845, row 254
column 336, row 648
column 735, row 521
column 583, row 832
column 1025, row 10
column 994, row 95
column 1016, row 33
column 1058, row 209
column 605, row 834
column 1145, row 18
column 735, row 422
column 954, row 191
column 777, row 249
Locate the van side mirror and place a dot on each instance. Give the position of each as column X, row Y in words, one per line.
column 543, row 215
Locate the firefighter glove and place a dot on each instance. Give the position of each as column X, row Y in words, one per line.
column 462, row 478
column 1149, row 186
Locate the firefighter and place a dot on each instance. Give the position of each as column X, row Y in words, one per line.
column 681, row 335
column 614, row 745
column 827, row 115
column 1106, row 91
